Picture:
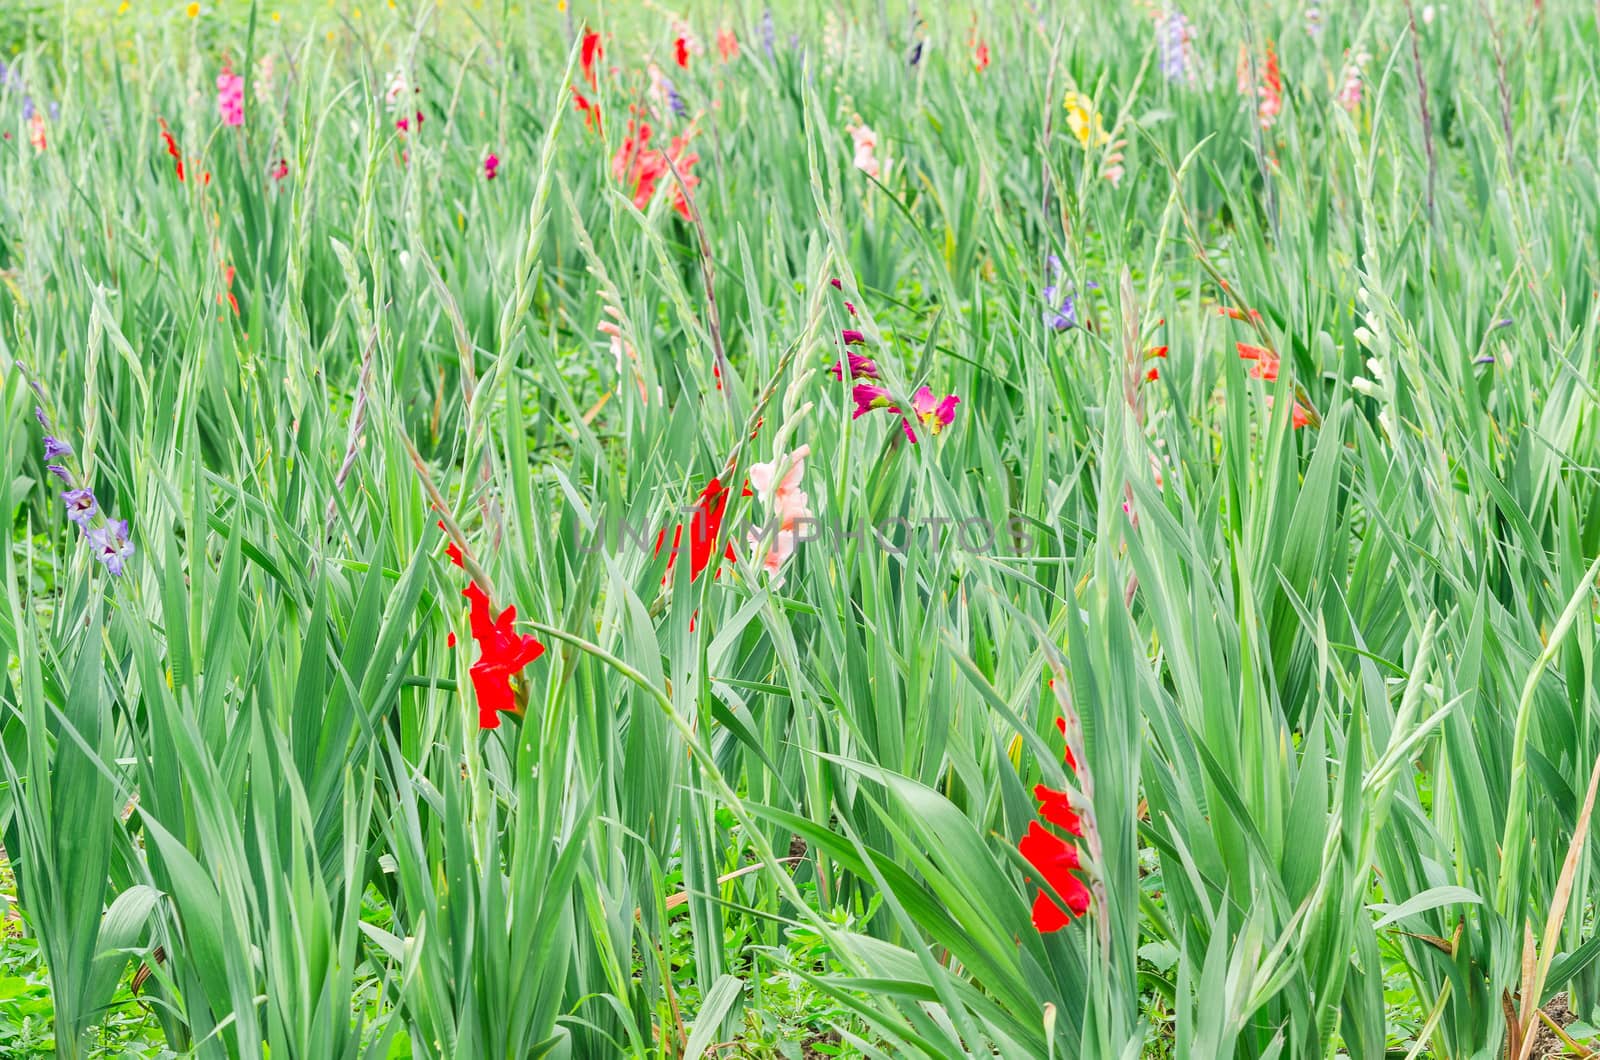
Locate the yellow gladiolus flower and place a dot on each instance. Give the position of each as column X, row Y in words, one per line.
column 1084, row 121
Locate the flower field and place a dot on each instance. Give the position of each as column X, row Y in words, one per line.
column 812, row 530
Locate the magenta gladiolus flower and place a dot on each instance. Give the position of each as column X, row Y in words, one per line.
column 935, row 414
column 869, row 397
column 860, row 368
column 490, row 165
column 852, row 337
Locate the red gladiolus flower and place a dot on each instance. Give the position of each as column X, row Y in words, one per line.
column 227, row 289
column 591, row 52
column 1056, row 807
column 680, row 48
column 642, row 167
column 1299, row 415
column 1052, row 857
column 176, row 153
column 591, row 111
column 452, row 550
column 502, row 655
column 1266, row 362
column 705, row 528
column 980, row 56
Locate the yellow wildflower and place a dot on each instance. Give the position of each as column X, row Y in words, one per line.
column 193, row 10
column 1084, row 121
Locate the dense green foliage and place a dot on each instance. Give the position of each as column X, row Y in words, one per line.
column 1320, row 618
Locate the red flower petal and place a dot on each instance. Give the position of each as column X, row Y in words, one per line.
column 1056, row 807
column 502, row 655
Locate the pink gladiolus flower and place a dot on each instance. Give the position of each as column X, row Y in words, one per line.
column 784, row 498
column 783, row 495
column 230, row 96
column 866, row 144
column 490, row 166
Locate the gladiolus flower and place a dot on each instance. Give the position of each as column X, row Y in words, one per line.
column 1055, row 860
column 177, row 155
column 643, row 167
column 860, row 368
column 452, row 550
column 1052, row 857
column 788, row 504
column 934, row 413
column 680, row 52
column 54, row 447
column 280, row 170
column 705, row 528
column 869, row 397
column 1175, row 44
column 591, row 111
column 1269, row 93
column 1056, row 807
column 866, row 144
column 1266, row 362
column 490, row 165
column 591, row 52
column 502, row 655
column 783, row 494
column 1299, row 416
column 110, row 545
column 1084, row 121
column 230, row 96
column 1061, row 303
column 727, row 45
column 980, row 56
column 81, row 507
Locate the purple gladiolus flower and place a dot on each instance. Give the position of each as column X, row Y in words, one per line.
column 111, row 545
column 81, row 507
column 54, row 447
column 769, row 32
column 38, row 414
column 1061, row 306
column 59, row 472
column 1173, row 42
column 27, row 108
